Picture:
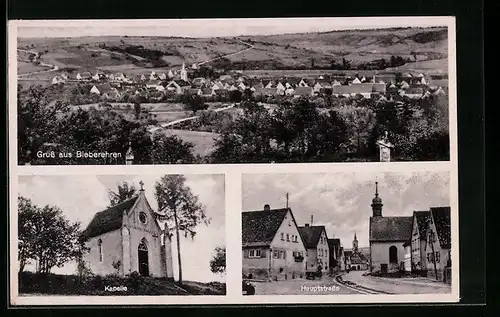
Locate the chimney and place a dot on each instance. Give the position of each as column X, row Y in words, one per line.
column 267, row 207
column 307, row 225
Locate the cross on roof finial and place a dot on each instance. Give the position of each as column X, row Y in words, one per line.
column 142, row 185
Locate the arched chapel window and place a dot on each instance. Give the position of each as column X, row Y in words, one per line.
column 99, row 246
column 393, row 254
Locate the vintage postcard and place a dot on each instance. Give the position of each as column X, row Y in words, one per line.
column 248, row 161
column 368, row 233
column 232, row 90
column 119, row 235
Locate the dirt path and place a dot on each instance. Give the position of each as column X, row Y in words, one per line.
column 53, row 68
column 250, row 46
column 171, row 123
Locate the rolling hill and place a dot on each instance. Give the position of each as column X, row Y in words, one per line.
column 427, row 46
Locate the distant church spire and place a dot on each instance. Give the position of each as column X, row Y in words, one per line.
column 377, row 203
column 355, row 243
column 184, row 72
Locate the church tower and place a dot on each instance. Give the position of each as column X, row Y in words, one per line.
column 355, row 243
column 184, row 75
column 377, row 203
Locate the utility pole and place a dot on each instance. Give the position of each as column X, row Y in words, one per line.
column 432, row 238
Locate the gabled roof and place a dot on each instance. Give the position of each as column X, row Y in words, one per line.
column 109, row 219
column 442, row 221
column 182, row 83
column 390, row 228
column 421, row 217
column 206, row 91
column 266, row 91
column 104, row 88
column 260, row 227
column 358, row 258
column 354, row 89
column 311, row 235
column 414, row 91
column 303, row 91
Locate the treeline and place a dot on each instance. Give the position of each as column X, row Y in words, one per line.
column 46, row 126
column 344, row 64
column 151, row 56
column 300, row 131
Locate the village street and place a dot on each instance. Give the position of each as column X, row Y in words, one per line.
column 303, row 287
column 410, row 285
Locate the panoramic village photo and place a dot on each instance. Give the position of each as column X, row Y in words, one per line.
column 231, row 91
column 115, row 235
column 346, row 233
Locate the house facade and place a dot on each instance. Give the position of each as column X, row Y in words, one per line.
column 126, row 238
column 316, row 242
column 419, row 242
column 387, row 237
column 272, row 246
column 438, row 246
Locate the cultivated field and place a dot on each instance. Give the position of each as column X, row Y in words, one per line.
column 203, row 141
column 426, row 46
column 28, row 67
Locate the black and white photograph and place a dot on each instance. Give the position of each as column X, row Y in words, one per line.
column 119, row 235
column 348, row 233
column 223, row 91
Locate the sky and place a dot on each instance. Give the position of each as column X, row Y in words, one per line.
column 212, row 27
column 341, row 201
column 81, row 196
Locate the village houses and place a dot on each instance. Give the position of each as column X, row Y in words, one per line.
column 316, row 242
column 355, row 259
column 273, row 248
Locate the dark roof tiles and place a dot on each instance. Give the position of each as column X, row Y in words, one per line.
column 260, row 227
column 310, row 235
column 390, row 228
column 442, row 221
column 108, row 220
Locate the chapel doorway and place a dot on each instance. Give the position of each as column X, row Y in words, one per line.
column 143, row 258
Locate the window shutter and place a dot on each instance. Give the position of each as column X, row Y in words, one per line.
column 263, row 253
column 245, row 253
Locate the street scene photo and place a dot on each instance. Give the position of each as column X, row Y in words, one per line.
column 119, row 235
column 223, row 91
column 347, row 233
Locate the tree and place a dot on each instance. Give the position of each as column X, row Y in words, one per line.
column 235, row 96
column 37, row 121
column 180, row 208
column 46, row 236
column 360, row 121
column 171, row 150
column 125, row 191
column 218, row 262
column 137, row 110
column 194, row 103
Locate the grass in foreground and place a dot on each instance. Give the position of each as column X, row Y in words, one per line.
column 112, row 285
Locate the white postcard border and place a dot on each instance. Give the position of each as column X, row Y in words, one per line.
column 233, row 196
